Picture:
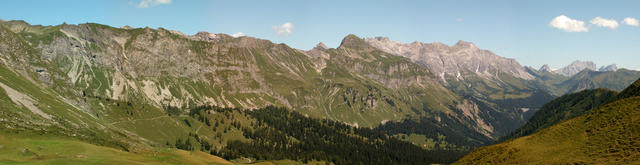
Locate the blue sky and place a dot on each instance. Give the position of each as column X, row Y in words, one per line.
column 514, row 29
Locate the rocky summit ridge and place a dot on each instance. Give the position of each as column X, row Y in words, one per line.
column 445, row 60
column 578, row 66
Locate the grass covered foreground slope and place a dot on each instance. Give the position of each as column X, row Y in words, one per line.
column 607, row 135
column 37, row 149
column 563, row 108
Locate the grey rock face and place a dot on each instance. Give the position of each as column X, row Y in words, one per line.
column 321, row 46
column 576, row 67
column 452, row 60
column 608, row 68
column 318, row 56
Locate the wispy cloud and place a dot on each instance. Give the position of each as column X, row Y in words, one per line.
column 567, row 24
column 151, row 3
column 631, row 21
column 238, row 34
column 284, row 30
column 603, row 22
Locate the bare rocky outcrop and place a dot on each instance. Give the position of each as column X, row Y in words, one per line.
column 471, row 111
column 24, row 100
column 318, row 56
column 445, row 60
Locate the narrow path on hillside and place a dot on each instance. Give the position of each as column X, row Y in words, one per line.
column 199, row 128
column 153, row 118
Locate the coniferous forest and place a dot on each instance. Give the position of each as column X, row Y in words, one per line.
column 279, row 134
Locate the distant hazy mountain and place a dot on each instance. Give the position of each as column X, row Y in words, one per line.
column 578, row 66
column 589, row 79
column 575, row 67
column 581, row 75
column 545, row 68
column 608, row 68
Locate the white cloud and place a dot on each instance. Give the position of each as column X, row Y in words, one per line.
column 603, row 22
column 631, row 21
column 284, row 30
column 460, row 20
column 151, row 3
column 238, row 34
column 565, row 23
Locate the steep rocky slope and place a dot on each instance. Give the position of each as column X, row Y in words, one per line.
column 94, row 69
column 500, row 86
column 452, row 60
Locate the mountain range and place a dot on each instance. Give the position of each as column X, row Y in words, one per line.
column 136, row 89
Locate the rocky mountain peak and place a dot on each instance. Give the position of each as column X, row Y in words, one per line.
column 439, row 45
column 416, row 43
column 545, row 68
column 126, row 27
column 382, row 38
column 608, row 68
column 321, row 46
column 206, row 36
column 464, row 44
column 445, row 61
column 575, row 67
column 354, row 42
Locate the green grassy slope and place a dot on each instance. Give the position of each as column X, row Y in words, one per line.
column 562, row 109
column 39, row 149
column 607, row 135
